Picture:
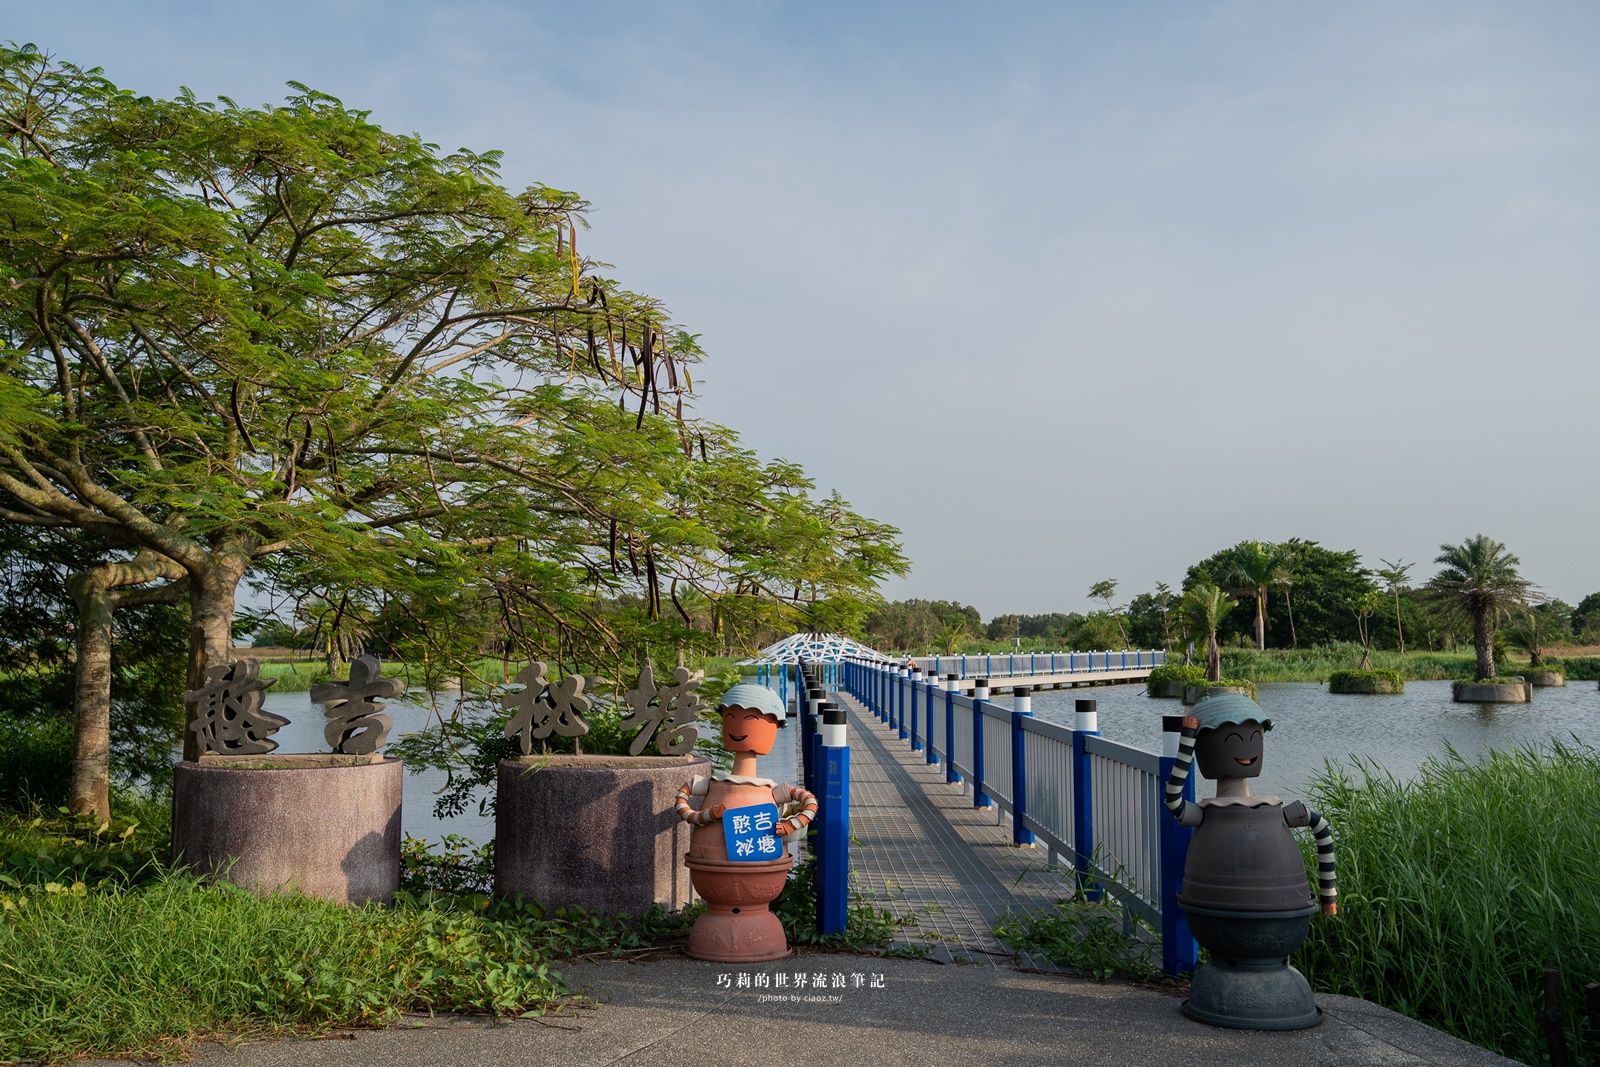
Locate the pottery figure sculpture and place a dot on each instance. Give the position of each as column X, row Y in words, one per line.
column 736, row 859
column 1244, row 886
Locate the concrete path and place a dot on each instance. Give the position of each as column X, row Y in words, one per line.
column 914, row 1013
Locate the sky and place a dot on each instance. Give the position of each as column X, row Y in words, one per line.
column 1064, row 291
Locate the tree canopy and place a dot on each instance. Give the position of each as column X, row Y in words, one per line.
column 283, row 340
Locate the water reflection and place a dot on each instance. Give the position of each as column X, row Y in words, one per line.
column 412, row 713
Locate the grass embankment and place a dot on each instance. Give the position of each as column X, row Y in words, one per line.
column 1316, row 664
column 105, row 952
column 1458, row 887
column 299, row 675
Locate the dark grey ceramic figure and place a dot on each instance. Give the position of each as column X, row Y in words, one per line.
column 1244, row 887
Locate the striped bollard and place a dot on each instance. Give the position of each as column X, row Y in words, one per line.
column 1086, row 721
column 980, row 697
column 1021, row 707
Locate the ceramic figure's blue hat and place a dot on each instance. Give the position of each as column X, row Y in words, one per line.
column 755, row 698
column 1225, row 708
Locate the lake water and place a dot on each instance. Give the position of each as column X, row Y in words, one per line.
column 412, row 713
column 1310, row 724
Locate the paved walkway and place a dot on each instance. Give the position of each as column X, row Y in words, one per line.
column 677, row 1013
column 922, row 850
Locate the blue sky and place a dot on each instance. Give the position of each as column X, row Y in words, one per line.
column 1065, row 291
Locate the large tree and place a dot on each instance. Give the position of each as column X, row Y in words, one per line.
column 231, row 333
column 1479, row 578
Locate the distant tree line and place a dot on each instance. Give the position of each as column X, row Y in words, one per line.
column 1305, row 595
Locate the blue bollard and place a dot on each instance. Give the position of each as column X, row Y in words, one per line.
column 1087, row 722
column 833, row 875
column 980, row 697
column 1022, row 707
column 950, row 772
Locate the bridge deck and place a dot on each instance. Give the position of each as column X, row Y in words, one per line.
column 924, row 852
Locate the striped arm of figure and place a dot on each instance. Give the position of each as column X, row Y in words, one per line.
column 1299, row 814
column 793, row 794
column 1188, row 812
column 689, row 814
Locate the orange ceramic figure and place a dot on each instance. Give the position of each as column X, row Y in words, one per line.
column 737, row 926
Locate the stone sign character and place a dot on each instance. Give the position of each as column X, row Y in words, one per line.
column 541, row 709
column 356, row 724
column 228, row 716
column 664, row 712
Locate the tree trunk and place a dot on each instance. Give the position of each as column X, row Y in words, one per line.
column 1213, row 658
column 1483, row 640
column 1288, row 602
column 1398, row 628
column 89, row 789
column 93, row 591
column 1261, row 620
column 211, row 602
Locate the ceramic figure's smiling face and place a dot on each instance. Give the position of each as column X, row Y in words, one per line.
column 1232, row 750
column 747, row 730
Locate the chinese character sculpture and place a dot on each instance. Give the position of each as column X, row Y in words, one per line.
column 665, row 713
column 736, row 859
column 356, row 723
column 1244, row 885
column 542, row 709
column 227, row 715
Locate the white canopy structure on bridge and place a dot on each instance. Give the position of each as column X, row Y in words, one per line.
column 815, row 648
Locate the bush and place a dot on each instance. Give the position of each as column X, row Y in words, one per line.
column 1377, row 681
column 35, row 762
column 1192, row 674
column 1459, row 886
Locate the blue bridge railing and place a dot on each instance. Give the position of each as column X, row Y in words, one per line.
column 1035, row 664
column 1091, row 801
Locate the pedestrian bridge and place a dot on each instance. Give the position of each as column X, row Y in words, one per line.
column 965, row 807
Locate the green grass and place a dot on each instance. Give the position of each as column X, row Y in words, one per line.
column 166, row 963
column 1458, row 887
column 1087, row 936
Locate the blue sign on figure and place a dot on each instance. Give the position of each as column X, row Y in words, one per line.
column 750, row 833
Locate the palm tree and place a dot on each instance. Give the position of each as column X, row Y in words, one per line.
column 1480, row 578
column 1252, row 569
column 1206, row 606
column 1394, row 577
column 951, row 636
column 1365, row 607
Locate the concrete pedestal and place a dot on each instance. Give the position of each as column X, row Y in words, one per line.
column 600, row 832
column 324, row 825
column 1542, row 678
column 1194, row 694
column 1492, row 692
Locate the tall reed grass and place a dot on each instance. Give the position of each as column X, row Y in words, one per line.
column 1460, row 886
